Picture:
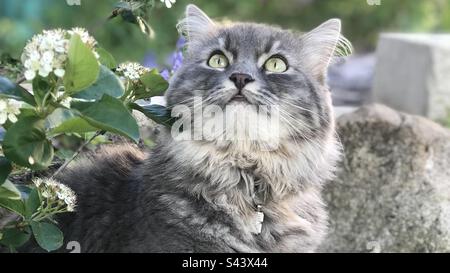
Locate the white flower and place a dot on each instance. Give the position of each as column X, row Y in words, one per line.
column 46, row 53
column 66, row 194
column 46, row 194
column 66, row 101
column 30, row 74
column 59, row 72
column 53, row 190
column 73, row 2
column 168, row 3
column 84, row 35
column 132, row 71
column 9, row 109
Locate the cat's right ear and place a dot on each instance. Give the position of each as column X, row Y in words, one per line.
column 320, row 45
column 195, row 24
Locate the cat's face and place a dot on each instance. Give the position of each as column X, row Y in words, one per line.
column 245, row 64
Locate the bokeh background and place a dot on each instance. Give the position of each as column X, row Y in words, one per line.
column 20, row 19
column 363, row 21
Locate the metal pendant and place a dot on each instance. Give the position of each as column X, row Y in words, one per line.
column 259, row 219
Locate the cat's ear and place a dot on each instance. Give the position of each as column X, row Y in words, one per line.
column 320, row 45
column 195, row 24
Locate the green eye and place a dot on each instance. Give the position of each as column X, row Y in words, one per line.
column 218, row 61
column 275, row 64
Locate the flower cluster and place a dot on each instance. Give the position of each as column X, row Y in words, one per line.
column 132, row 71
column 47, row 52
column 169, row 3
column 57, row 196
column 84, row 35
column 9, row 109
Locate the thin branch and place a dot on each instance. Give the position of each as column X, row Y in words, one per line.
column 20, row 80
column 78, row 151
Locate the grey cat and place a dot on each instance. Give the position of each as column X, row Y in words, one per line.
column 216, row 195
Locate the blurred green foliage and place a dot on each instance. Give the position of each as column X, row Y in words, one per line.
column 445, row 121
column 20, row 19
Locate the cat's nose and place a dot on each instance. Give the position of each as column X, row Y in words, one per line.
column 241, row 79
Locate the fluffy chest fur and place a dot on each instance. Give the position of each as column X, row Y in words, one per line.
column 285, row 182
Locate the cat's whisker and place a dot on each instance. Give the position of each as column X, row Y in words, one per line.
column 334, row 132
column 308, row 110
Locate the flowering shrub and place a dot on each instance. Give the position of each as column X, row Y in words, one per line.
column 76, row 89
column 9, row 109
column 132, row 71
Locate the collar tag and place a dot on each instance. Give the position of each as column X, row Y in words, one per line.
column 259, row 219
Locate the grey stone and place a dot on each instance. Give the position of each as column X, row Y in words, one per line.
column 342, row 110
column 412, row 73
column 392, row 193
column 351, row 79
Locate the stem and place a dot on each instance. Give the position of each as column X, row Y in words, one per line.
column 63, row 166
column 43, row 217
column 128, row 90
column 20, row 80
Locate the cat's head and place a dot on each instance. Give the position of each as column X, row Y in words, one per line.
column 245, row 64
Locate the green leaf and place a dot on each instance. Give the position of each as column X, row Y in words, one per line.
column 24, row 112
column 27, row 112
column 11, row 90
column 98, row 140
column 64, row 121
column 47, row 235
column 26, row 144
column 82, row 67
column 158, row 113
column 16, row 206
column 109, row 114
column 14, row 237
column 75, row 125
column 5, row 169
column 40, row 88
column 155, row 83
column 32, row 203
column 107, row 83
column 9, row 191
column 64, row 153
column 106, row 58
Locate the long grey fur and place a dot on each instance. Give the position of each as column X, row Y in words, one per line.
column 199, row 195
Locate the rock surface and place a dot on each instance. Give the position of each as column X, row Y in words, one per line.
column 412, row 73
column 392, row 193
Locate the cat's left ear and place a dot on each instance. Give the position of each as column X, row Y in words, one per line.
column 195, row 24
column 320, row 45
